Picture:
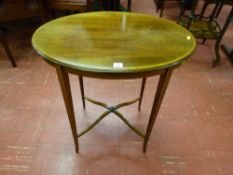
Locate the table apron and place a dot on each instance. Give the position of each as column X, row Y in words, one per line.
column 107, row 75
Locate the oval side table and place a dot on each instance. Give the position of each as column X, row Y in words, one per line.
column 113, row 45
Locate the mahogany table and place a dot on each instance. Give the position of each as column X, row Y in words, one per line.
column 113, row 45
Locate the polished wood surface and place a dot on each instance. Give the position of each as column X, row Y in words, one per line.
column 64, row 81
column 113, row 45
column 113, row 42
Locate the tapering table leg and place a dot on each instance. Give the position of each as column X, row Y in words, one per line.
column 82, row 91
column 161, row 89
column 141, row 93
column 63, row 78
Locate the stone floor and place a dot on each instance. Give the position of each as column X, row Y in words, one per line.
column 193, row 134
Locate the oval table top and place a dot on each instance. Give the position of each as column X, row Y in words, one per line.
column 113, row 42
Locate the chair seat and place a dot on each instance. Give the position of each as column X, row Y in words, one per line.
column 201, row 28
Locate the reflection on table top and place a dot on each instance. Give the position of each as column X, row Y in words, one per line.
column 113, row 42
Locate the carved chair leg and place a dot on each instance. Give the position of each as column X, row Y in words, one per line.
column 218, row 57
column 158, row 5
column 8, row 51
column 162, row 8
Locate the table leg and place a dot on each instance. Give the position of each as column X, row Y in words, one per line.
column 141, row 93
column 82, row 91
column 161, row 89
column 229, row 52
column 63, row 78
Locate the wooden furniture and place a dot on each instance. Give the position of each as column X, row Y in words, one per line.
column 229, row 52
column 3, row 39
column 84, row 5
column 160, row 4
column 207, row 27
column 113, row 45
column 20, row 9
column 70, row 5
column 226, row 49
column 111, row 5
column 17, row 10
